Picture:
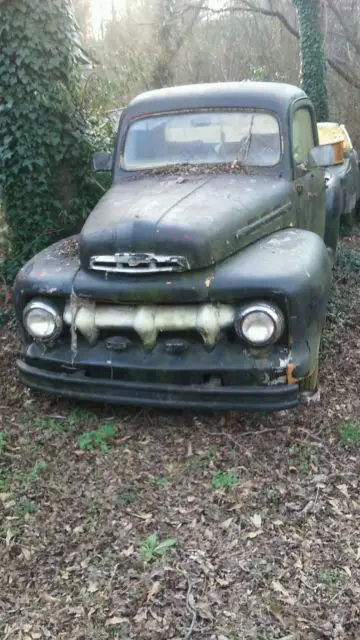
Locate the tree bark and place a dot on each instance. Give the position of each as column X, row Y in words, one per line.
column 313, row 66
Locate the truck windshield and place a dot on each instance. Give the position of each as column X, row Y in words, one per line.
column 251, row 138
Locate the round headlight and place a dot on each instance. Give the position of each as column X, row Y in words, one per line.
column 260, row 324
column 42, row 320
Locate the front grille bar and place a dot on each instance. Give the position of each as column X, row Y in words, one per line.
column 208, row 320
column 139, row 263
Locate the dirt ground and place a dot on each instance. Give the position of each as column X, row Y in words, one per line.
column 256, row 516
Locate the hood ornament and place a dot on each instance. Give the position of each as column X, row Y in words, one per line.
column 139, row 263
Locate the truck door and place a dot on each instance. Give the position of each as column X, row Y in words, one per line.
column 309, row 185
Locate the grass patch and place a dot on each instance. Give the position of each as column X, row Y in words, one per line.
column 331, row 577
column 159, row 481
column 97, row 440
column 349, row 433
column 26, row 507
column 304, row 457
column 224, row 480
column 126, row 497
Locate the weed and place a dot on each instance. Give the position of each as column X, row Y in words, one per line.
column 151, row 548
column 26, row 506
column 304, row 456
column 159, row 481
column 99, row 439
column 202, row 461
column 272, row 495
column 349, row 433
column 40, row 465
column 2, row 442
column 48, row 424
column 330, row 577
column 224, row 480
column 126, row 497
column 81, row 415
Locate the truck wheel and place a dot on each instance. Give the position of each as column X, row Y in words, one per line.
column 310, row 384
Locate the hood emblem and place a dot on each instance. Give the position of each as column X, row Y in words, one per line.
column 139, row 263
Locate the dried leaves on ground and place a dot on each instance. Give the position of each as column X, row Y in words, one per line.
column 126, row 523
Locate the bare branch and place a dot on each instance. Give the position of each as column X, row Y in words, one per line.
column 249, row 7
column 340, row 18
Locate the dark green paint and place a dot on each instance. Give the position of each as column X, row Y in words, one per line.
column 247, row 237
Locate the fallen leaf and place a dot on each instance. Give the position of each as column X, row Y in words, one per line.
column 254, row 534
column 277, row 586
column 112, row 622
column 26, row 553
column 191, row 601
column 343, row 488
column 141, row 616
column 256, row 520
column 203, row 609
column 156, row 586
column 226, row 524
column 9, row 536
column 47, row 597
column 93, row 587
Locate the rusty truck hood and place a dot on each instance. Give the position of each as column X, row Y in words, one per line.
column 203, row 219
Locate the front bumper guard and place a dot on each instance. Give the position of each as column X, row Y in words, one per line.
column 78, row 386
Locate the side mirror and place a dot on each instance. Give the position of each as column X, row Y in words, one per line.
column 326, row 155
column 102, row 161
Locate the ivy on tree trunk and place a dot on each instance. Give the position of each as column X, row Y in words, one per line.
column 45, row 138
column 313, row 62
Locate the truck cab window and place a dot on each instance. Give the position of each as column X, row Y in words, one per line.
column 303, row 135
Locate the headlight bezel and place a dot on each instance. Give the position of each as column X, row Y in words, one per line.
column 272, row 311
column 52, row 310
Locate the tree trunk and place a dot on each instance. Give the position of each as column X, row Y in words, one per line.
column 313, row 64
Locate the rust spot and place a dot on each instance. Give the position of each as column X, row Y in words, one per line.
column 312, row 196
column 290, row 370
column 291, row 379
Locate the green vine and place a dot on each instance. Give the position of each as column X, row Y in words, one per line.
column 313, row 64
column 47, row 131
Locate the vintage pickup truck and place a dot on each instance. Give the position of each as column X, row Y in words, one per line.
column 201, row 278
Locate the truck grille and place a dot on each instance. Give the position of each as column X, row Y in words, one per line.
column 136, row 263
column 148, row 321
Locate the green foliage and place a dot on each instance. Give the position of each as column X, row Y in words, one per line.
column 349, row 433
column 39, row 466
column 224, row 480
column 99, row 439
column 26, row 506
column 150, row 549
column 159, row 481
column 48, row 131
column 313, row 61
column 2, row 441
column 126, row 498
column 304, row 457
column 330, row 577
